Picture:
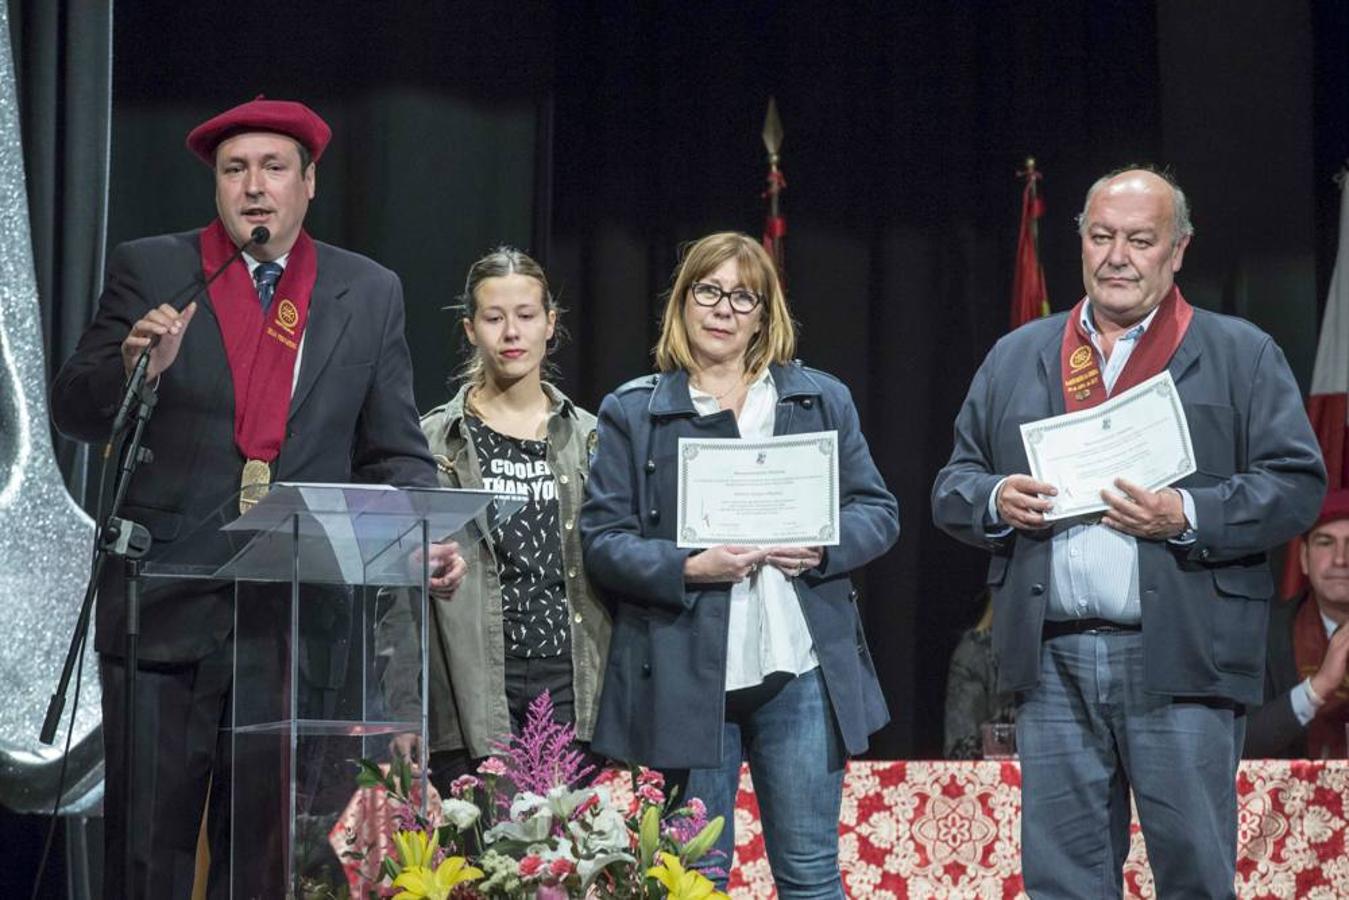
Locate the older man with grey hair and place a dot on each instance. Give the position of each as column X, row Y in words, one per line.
column 1134, row 639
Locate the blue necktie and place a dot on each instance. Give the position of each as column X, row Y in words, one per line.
column 265, row 276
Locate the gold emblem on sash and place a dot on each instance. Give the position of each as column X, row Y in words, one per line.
column 256, row 481
column 287, row 315
column 1080, row 359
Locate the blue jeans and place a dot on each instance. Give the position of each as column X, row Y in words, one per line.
column 785, row 728
column 1086, row 735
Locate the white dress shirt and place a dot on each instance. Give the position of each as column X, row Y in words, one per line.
column 768, row 631
column 1303, row 705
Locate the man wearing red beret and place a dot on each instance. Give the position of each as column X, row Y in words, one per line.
column 1306, row 704
column 293, row 366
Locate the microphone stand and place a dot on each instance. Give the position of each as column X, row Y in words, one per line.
column 131, row 541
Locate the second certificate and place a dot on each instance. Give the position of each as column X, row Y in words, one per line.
column 779, row 492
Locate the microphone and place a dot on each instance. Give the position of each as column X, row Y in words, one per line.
column 256, row 238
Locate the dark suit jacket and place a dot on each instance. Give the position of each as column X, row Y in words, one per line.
column 1260, row 481
column 1273, row 731
column 665, row 681
column 352, row 418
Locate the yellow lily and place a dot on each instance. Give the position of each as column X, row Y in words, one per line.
column 420, row 883
column 682, row 884
column 415, row 848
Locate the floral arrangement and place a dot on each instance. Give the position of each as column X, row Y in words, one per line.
column 531, row 825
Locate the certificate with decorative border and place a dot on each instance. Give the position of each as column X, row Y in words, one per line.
column 778, row 492
column 1141, row 435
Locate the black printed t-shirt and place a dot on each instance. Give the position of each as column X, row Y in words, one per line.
column 529, row 545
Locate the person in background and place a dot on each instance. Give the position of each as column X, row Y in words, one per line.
column 735, row 653
column 972, row 696
column 1306, row 706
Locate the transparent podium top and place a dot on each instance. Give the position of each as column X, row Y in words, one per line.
column 329, row 534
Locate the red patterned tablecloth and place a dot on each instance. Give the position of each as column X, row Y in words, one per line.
column 953, row 830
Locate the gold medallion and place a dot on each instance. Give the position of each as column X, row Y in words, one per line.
column 254, row 484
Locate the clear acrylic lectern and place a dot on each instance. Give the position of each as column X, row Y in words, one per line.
column 330, row 654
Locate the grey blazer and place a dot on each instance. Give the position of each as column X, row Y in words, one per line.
column 352, row 418
column 1260, row 481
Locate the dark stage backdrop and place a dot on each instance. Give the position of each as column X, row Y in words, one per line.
column 436, row 110
column 603, row 135
column 904, row 126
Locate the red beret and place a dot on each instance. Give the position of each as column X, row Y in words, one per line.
column 1335, row 507
column 286, row 117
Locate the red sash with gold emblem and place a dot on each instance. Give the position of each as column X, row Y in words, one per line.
column 1083, row 386
column 261, row 348
column 1325, row 732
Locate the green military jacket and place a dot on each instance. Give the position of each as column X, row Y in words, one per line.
column 467, row 706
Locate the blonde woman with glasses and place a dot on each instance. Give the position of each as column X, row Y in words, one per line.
column 735, row 653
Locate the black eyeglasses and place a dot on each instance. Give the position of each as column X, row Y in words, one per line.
column 705, row 294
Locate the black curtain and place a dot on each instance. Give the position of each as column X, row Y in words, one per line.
column 604, row 135
column 435, row 110
column 905, row 125
column 63, row 66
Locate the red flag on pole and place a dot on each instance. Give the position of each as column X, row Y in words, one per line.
column 1030, row 298
column 1328, row 405
column 775, row 223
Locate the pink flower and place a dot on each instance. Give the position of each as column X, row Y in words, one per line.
column 697, row 809
column 586, row 806
column 561, row 868
column 651, row 777
column 465, row 784
column 531, row 865
column 492, row 766
column 651, row 794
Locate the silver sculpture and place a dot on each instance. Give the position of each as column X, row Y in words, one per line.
column 45, row 538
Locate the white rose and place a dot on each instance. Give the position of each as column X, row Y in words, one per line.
column 608, row 831
column 459, row 813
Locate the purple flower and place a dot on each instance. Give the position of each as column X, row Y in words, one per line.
column 684, row 825
column 541, row 757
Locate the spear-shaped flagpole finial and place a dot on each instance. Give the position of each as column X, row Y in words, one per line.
column 772, row 132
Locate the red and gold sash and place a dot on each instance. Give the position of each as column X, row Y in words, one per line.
column 1083, row 385
column 1325, row 732
column 261, row 349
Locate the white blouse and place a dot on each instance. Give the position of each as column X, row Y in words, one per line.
column 768, row 631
